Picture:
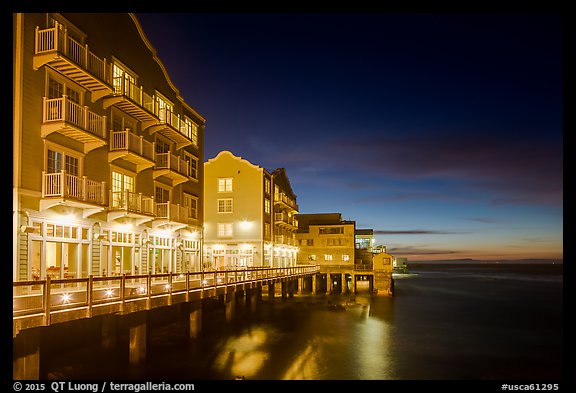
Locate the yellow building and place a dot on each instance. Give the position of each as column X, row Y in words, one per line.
column 249, row 215
column 325, row 239
column 106, row 152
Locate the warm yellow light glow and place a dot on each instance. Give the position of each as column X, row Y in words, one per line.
column 245, row 224
column 124, row 227
column 218, row 247
column 66, row 218
column 65, row 298
column 109, row 292
column 163, row 232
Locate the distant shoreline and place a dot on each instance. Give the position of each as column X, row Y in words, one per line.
column 488, row 262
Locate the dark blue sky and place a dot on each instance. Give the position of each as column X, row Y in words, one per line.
column 441, row 131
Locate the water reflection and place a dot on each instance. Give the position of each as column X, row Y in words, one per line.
column 243, row 356
column 330, row 337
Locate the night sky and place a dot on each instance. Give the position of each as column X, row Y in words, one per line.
column 443, row 132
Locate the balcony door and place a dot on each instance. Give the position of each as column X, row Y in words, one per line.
column 120, row 184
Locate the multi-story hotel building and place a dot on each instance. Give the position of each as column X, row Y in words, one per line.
column 107, row 174
column 249, row 214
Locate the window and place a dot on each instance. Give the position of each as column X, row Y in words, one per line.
column 267, row 185
column 328, row 257
column 345, row 257
column 121, row 78
column 225, row 205
column 267, row 230
column 57, row 88
column 225, row 184
column 162, row 146
column 161, row 195
column 192, row 163
column 309, row 242
column 267, row 206
column 58, row 160
column 191, row 203
column 194, row 136
column 312, row 257
column 120, row 183
column 335, row 242
column 331, row 230
column 225, row 229
column 164, row 108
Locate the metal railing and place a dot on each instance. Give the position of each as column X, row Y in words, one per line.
column 172, row 212
column 83, row 295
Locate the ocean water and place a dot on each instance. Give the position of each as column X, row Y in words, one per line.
column 445, row 322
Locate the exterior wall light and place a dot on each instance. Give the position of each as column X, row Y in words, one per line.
column 26, row 228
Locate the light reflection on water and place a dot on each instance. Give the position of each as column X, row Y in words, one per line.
column 439, row 325
column 335, row 335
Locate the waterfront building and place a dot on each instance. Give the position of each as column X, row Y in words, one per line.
column 364, row 244
column 345, row 255
column 249, row 215
column 326, row 239
column 106, row 152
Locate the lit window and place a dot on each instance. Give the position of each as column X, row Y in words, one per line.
column 312, row 257
column 225, row 205
column 345, row 257
column 328, row 257
column 225, row 229
column 267, row 185
column 267, row 206
column 225, row 184
column 267, row 230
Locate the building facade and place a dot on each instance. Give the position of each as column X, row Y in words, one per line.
column 325, row 239
column 249, row 215
column 107, row 174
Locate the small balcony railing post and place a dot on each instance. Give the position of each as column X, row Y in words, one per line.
column 63, row 185
column 86, row 63
column 84, row 188
column 47, row 301
column 141, row 151
column 90, row 295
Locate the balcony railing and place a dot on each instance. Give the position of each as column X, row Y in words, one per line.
column 65, row 185
column 286, row 240
column 173, row 212
column 126, row 140
column 285, row 219
column 175, row 128
column 132, row 202
column 173, row 163
column 56, row 39
column 281, row 197
column 123, row 86
column 65, row 110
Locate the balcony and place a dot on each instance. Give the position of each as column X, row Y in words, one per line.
column 285, row 201
column 285, row 221
column 130, row 205
column 172, row 167
column 175, row 216
column 64, row 189
column 133, row 148
column 55, row 48
column 132, row 100
column 74, row 121
column 283, row 239
column 171, row 126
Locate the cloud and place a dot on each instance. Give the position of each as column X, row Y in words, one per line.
column 486, row 220
column 420, row 251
